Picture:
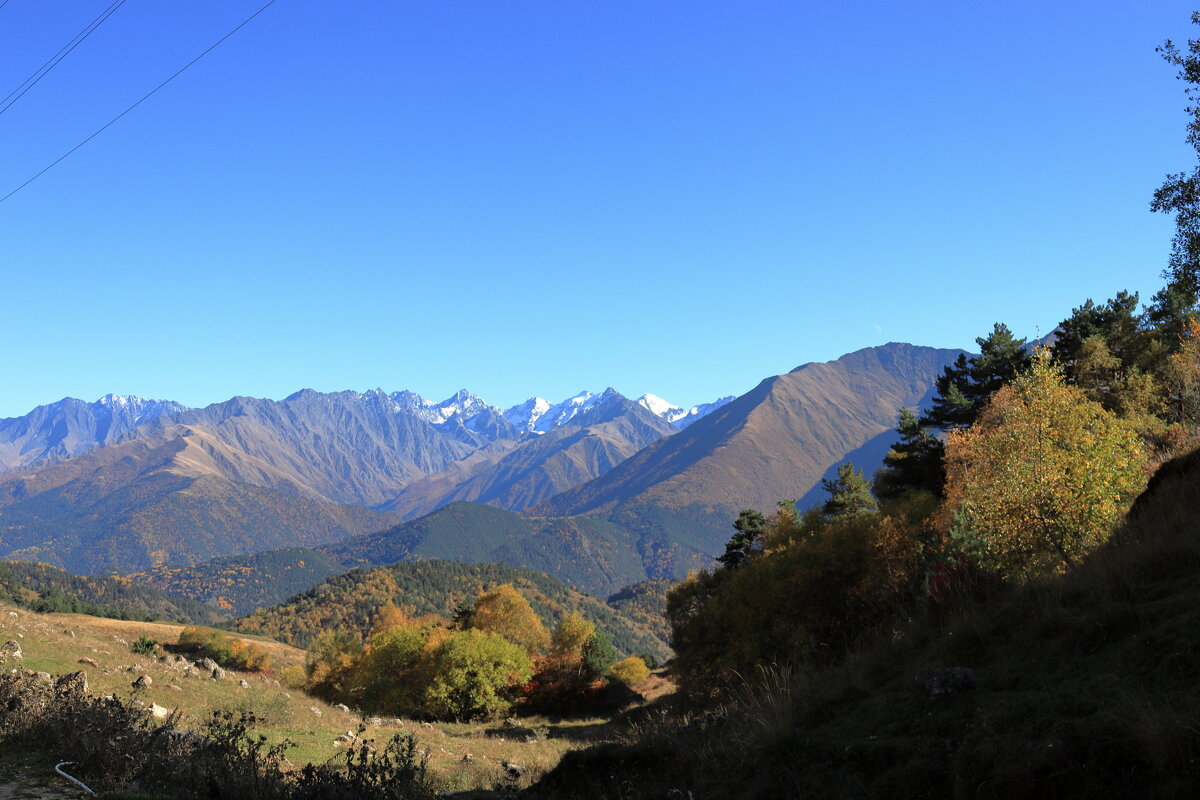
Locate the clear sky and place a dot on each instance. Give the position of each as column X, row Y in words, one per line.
column 529, row 198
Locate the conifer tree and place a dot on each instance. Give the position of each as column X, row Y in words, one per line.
column 849, row 493
column 914, row 462
column 749, row 528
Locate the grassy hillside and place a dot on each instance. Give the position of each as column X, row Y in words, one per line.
column 461, row 757
column 1084, row 687
column 349, row 601
column 42, row 586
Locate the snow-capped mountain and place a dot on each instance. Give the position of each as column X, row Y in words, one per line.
column 525, row 415
column 661, row 408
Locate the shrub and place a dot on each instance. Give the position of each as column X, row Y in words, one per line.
column 630, row 671
column 225, row 650
column 475, row 674
column 145, row 646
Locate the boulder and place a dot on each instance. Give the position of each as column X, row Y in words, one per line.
column 91, row 662
column 44, row 677
column 11, row 649
column 345, row 709
column 217, row 673
column 207, row 664
column 158, row 712
column 242, row 683
column 143, row 682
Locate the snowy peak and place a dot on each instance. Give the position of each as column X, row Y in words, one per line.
column 661, row 408
column 525, row 415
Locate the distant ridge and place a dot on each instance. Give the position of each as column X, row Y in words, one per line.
column 773, row 443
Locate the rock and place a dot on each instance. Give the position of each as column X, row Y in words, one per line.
column 218, row 673
column 44, row 677
column 91, row 662
column 119, row 640
column 174, row 688
column 374, row 722
column 242, row 683
column 513, row 771
column 190, row 672
column 315, row 710
column 466, row 757
column 206, row 664
column 11, row 649
column 72, row 683
column 143, row 682
column 158, row 712
column 941, row 681
column 68, row 632
column 346, row 738
column 12, row 614
column 345, row 709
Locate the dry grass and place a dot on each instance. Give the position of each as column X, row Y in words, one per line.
column 461, row 756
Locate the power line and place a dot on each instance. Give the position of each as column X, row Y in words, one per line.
column 144, row 98
column 2, row 5
column 53, row 61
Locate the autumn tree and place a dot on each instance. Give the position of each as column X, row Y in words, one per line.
column 1042, row 476
column 475, row 674
column 505, row 612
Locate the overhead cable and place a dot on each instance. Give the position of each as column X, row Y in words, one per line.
column 144, row 98
column 53, row 61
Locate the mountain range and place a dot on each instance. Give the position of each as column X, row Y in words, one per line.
column 598, row 489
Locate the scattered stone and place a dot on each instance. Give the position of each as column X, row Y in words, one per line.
column 158, row 712
column 346, row 738
column 345, row 709
column 174, row 688
column 119, row 640
column 44, row 677
column 72, row 683
column 466, row 757
column 68, row 632
column 513, row 771
column 91, row 662
column 374, row 722
column 12, row 614
column 11, row 649
column 242, row 683
column 206, row 664
column 315, row 710
column 218, row 673
column 940, row 681
column 143, row 682
column 190, row 672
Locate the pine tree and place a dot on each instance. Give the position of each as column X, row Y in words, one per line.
column 914, row 462
column 849, row 493
column 750, row 527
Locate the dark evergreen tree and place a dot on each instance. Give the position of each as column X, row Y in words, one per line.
column 1118, row 322
column 966, row 385
column 1179, row 195
column 914, row 462
column 749, row 528
column 849, row 493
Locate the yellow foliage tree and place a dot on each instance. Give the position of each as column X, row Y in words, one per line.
column 571, row 636
column 1041, row 477
column 503, row 611
column 630, row 671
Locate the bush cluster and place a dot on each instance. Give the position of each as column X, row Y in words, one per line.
column 225, row 650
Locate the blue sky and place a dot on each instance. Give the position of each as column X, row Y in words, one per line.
column 540, row 197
